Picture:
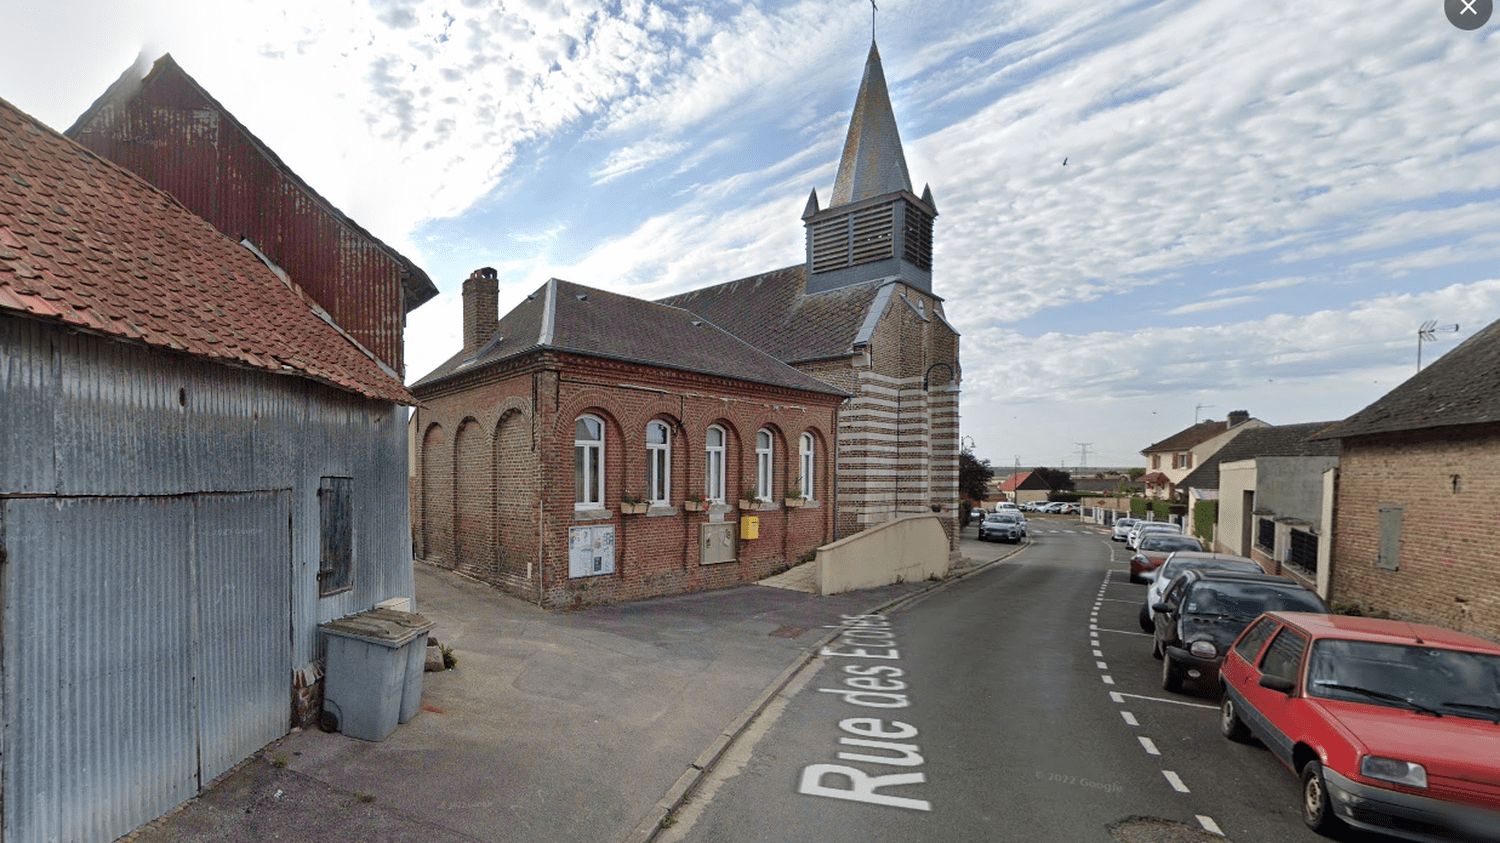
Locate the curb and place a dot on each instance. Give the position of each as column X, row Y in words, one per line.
column 651, row 825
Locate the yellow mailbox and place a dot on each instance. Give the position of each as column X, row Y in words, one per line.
column 749, row 526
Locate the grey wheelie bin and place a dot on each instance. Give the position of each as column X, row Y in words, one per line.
column 366, row 687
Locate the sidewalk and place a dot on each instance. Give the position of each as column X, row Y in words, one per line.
column 553, row 727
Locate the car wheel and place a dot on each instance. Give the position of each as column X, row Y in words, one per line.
column 1171, row 674
column 1156, row 652
column 1146, row 624
column 1135, row 580
column 1230, row 724
column 1317, row 811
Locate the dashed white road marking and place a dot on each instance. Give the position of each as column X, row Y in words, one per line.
column 1209, row 825
column 1101, row 665
column 1108, row 680
column 1098, row 654
column 1148, row 745
column 1175, row 781
column 1129, row 719
column 1121, row 631
column 1117, row 697
column 1094, row 626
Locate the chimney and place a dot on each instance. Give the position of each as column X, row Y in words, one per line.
column 481, row 307
column 1238, row 417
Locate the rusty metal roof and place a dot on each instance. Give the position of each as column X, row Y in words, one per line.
column 873, row 163
column 86, row 243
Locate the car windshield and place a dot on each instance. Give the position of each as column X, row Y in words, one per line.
column 1406, row 676
column 1246, row 600
column 1175, row 567
column 1170, row 542
column 1003, row 516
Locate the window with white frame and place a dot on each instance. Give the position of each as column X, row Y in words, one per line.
column 713, row 465
column 763, row 457
column 805, row 465
column 658, row 463
column 588, row 463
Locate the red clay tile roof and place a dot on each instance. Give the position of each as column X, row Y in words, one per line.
column 1189, row 437
column 1024, row 481
column 89, row 244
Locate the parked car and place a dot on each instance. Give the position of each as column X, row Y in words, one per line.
column 1006, row 505
column 1150, row 527
column 977, row 514
column 1066, row 508
column 1202, row 612
column 1182, row 561
column 1002, row 526
column 1122, row 528
column 1154, row 549
column 1393, row 727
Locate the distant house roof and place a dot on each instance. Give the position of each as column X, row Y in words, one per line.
column 772, row 312
column 86, row 243
column 1155, row 478
column 1282, row 440
column 417, row 287
column 1026, row 480
column 1189, row 437
column 1460, row 388
column 563, row 316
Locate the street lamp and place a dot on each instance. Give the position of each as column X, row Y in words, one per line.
column 1428, row 333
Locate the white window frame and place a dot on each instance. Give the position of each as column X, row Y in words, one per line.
column 592, row 498
column 805, row 451
column 713, row 464
column 659, row 465
column 765, row 464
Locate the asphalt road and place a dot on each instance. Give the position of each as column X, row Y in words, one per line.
column 1024, row 718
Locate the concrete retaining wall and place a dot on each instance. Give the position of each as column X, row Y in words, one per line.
column 905, row 549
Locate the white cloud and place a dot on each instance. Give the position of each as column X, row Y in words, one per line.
column 633, row 158
column 1211, row 304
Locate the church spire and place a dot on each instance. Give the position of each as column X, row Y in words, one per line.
column 873, row 162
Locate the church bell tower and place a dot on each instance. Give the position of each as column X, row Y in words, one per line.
column 874, row 227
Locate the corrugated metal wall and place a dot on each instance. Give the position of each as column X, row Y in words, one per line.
column 179, row 140
column 85, row 416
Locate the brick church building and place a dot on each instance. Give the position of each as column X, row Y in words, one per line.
column 819, row 398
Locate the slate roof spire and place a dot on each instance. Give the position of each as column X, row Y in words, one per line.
column 873, row 162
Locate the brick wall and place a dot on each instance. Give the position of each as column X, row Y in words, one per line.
column 1450, row 540
column 655, row 553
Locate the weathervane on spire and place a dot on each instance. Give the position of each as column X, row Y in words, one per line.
column 873, row 9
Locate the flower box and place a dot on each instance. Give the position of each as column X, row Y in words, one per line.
column 694, row 506
column 750, row 506
column 795, row 503
column 634, row 508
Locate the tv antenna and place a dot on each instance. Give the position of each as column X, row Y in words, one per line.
column 1426, row 333
column 1198, row 411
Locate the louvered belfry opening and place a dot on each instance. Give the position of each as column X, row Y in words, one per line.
column 918, row 247
column 884, row 237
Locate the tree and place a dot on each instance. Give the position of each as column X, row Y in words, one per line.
column 1056, row 479
column 1137, row 473
column 974, row 476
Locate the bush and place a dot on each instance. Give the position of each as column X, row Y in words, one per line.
column 1138, row 507
column 1161, row 510
column 1205, row 515
column 1063, row 497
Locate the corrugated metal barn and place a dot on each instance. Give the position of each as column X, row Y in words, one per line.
column 196, row 469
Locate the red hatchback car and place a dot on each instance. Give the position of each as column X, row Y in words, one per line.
column 1393, row 727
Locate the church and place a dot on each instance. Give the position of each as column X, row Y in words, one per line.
column 727, row 434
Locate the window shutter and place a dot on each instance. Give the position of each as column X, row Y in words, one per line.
column 336, row 520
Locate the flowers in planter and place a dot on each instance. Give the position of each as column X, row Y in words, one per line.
column 749, row 500
column 633, row 505
column 694, row 503
column 794, row 499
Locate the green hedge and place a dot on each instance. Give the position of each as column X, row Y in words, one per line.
column 1205, row 515
column 1138, row 507
column 1161, row 509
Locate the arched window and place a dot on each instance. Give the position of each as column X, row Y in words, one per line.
column 588, row 463
column 658, row 463
column 713, row 465
column 763, row 457
column 805, row 465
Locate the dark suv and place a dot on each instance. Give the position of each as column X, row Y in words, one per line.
column 1203, row 611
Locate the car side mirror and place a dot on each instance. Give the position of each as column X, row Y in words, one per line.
column 1278, row 683
column 1161, row 607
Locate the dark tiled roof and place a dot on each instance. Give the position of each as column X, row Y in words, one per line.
column 89, row 244
column 1025, row 480
column 873, row 163
column 1282, row 440
column 563, row 316
column 417, row 287
column 771, row 312
column 1460, row 388
column 1189, row 437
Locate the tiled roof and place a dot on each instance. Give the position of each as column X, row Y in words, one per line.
column 1282, row 440
column 563, row 316
column 1460, row 388
column 1189, row 437
column 1024, row 480
column 772, row 312
column 873, row 163
column 88, row 244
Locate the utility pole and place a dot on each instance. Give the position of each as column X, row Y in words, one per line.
column 1428, row 333
column 1083, row 453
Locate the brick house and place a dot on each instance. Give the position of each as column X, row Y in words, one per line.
column 1169, row 461
column 1417, row 495
column 859, row 313
column 534, row 438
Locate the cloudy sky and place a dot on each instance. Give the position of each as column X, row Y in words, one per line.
column 1261, row 202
